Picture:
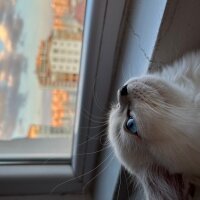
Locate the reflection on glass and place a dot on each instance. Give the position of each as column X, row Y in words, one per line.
column 40, row 48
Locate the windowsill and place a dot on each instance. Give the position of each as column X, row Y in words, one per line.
column 45, row 179
column 44, row 149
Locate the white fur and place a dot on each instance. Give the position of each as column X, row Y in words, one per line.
column 166, row 106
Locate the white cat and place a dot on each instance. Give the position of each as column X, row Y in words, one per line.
column 155, row 129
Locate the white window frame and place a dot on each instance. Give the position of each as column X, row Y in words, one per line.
column 102, row 28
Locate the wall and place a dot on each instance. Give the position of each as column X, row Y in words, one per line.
column 179, row 32
column 157, row 33
column 138, row 41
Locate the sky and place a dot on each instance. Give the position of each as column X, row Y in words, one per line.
column 23, row 24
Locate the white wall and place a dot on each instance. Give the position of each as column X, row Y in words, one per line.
column 138, row 43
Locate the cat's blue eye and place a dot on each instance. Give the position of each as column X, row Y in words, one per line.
column 131, row 125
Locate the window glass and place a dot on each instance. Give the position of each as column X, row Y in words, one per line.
column 37, row 93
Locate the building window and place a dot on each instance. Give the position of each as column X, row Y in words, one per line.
column 55, row 50
column 62, row 60
column 55, row 59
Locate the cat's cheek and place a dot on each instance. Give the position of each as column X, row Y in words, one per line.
column 133, row 137
column 138, row 138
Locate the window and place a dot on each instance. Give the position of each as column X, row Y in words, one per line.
column 55, row 50
column 69, row 60
column 48, row 170
column 55, row 59
column 33, row 105
column 63, row 51
column 62, row 60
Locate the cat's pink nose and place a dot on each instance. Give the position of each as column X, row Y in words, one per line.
column 124, row 91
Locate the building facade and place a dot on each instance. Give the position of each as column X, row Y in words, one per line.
column 57, row 68
column 44, row 131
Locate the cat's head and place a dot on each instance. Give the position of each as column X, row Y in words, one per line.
column 146, row 126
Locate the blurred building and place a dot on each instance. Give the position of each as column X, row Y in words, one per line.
column 43, row 70
column 67, row 23
column 58, row 108
column 79, row 11
column 57, row 68
column 68, row 15
column 74, row 3
column 58, row 57
column 44, row 131
column 60, row 7
column 62, row 108
column 58, row 61
column 65, row 53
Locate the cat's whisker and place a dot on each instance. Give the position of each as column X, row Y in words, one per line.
column 80, row 176
column 94, row 116
column 95, row 98
column 101, row 108
column 94, row 137
column 119, row 187
column 97, row 121
column 109, row 162
column 92, row 153
column 94, row 127
column 106, row 142
column 127, row 186
column 177, row 113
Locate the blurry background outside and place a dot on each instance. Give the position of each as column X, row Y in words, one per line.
column 40, row 51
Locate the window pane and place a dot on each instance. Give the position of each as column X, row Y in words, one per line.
column 40, row 50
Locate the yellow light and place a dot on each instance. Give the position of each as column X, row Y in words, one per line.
column 2, row 76
column 4, row 37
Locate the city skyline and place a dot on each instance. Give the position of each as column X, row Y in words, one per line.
column 23, row 44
